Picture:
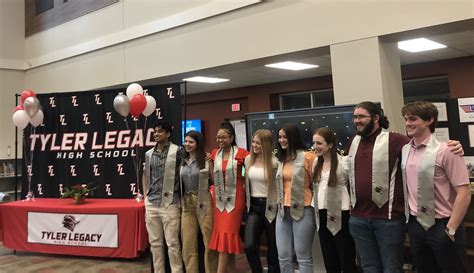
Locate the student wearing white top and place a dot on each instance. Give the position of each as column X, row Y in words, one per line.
column 261, row 170
column 332, row 204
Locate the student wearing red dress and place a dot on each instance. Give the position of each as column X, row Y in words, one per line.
column 229, row 197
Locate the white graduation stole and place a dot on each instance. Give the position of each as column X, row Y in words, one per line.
column 425, row 200
column 225, row 191
column 333, row 198
column 297, row 187
column 271, row 208
column 380, row 169
column 169, row 176
column 203, row 190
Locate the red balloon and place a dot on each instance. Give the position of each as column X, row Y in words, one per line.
column 137, row 105
column 26, row 94
column 18, row 107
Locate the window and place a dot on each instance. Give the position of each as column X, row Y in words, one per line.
column 427, row 89
column 309, row 99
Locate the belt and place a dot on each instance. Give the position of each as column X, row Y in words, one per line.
column 258, row 199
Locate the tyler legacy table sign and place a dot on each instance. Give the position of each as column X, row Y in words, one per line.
column 99, row 227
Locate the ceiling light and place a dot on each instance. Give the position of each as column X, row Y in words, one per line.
column 418, row 45
column 205, row 79
column 292, row 65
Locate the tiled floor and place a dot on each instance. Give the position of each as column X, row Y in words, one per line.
column 23, row 262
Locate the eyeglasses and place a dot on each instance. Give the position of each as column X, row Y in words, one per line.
column 359, row 117
column 355, row 117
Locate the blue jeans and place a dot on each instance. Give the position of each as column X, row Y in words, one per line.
column 301, row 233
column 379, row 243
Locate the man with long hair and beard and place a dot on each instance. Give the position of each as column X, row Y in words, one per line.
column 377, row 221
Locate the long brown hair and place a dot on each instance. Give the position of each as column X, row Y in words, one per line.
column 295, row 143
column 330, row 138
column 200, row 153
column 266, row 142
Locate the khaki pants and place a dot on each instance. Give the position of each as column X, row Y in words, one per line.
column 191, row 224
column 164, row 221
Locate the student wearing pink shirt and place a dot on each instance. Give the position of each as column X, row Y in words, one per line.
column 438, row 194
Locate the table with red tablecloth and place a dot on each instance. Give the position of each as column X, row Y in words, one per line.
column 130, row 224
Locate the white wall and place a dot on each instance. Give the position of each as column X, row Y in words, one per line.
column 261, row 30
column 11, row 82
column 12, row 38
column 12, row 50
column 135, row 40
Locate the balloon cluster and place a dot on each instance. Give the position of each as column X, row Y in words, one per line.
column 135, row 102
column 29, row 111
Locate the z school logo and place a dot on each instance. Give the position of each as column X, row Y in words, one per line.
column 467, row 108
column 69, row 222
column 158, row 113
column 40, row 189
column 120, row 169
column 51, row 170
column 61, row 189
column 62, row 120
column 73, row 170
column 74, row 101
column 170, row 92
column 52, row 102
column 97, row 99
column 29, row 169
column 108, row 116
column 133, row 188
column 85, row 118
column 108, row 189
column 96, row 170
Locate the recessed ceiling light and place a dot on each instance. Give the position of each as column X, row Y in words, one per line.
column 205, row 79
column 418, row 45
column 292, row 65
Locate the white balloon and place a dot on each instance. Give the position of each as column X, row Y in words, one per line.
column 133, row 89
column 37, row 119
column 21, row 119
column 150, row 106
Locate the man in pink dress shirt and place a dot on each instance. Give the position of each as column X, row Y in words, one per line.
column 438, row 194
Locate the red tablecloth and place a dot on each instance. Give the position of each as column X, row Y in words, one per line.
column 132, row 234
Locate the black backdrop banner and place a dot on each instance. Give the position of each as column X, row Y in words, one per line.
column 84, row 140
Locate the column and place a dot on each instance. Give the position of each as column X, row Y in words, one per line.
column 369, row 70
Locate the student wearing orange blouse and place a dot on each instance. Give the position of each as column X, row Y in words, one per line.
column 295, row 223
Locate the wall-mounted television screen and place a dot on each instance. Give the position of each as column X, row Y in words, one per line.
column 338, row 118
column 191, row 125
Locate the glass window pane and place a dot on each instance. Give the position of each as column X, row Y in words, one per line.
column 426, row 89
column 296, row 101
column 323, row 98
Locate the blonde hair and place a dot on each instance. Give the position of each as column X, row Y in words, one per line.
column 266, row 142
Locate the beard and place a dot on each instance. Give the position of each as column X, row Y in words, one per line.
column 367, row 129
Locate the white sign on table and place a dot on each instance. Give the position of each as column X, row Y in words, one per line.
column 90, row 230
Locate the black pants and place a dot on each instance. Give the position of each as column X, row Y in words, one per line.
column 434, row 252
column 338, row 251
column 256, row 224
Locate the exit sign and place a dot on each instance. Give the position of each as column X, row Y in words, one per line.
column 235, row 107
